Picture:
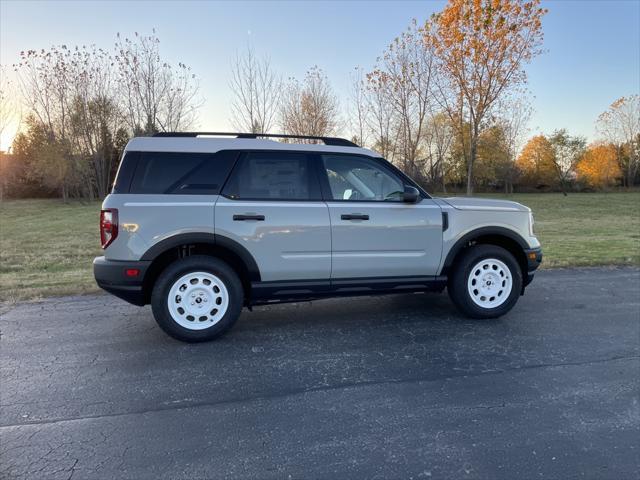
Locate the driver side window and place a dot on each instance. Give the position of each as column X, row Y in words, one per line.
column 358, row 178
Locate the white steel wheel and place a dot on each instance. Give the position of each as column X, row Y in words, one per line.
column 490, row 283
column 198, row 300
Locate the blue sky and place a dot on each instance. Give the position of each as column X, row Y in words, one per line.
column 593, row 47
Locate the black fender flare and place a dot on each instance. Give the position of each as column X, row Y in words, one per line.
column 205, row 238
column 482, row 232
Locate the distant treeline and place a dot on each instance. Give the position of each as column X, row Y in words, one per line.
column 446, row 101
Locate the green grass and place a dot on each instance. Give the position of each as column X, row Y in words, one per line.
column 46, row 246
column 585, row 229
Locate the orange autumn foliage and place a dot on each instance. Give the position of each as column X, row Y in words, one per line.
column 491, row 37
column 599, row 166
column 483, row 47
column 536, row 162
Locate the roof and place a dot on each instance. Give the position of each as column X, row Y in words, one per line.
column 212, row 145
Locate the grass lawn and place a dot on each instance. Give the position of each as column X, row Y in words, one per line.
column 585, row 229
column 46, row 247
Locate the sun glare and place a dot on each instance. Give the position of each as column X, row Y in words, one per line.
column 8, row 134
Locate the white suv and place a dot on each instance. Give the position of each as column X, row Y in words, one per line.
column 200, row 226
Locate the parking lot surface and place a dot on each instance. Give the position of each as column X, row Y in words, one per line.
column 395, row 386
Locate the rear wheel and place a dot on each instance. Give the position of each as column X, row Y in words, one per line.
column 486, row 281
column 197, row 298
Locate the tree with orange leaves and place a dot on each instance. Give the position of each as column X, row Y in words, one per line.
column 599, row 166
column 620, row 125
column 535, row 162
column 482, row 46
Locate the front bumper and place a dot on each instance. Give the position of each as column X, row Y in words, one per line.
column 111, row 275
column 534, row 259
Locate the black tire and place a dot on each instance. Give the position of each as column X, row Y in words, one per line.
column 179, row 268
column 457, row 286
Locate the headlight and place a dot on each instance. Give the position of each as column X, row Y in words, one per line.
column 531, row 222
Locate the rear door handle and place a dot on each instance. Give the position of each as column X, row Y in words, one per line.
column 241, row 218
column 354, row 216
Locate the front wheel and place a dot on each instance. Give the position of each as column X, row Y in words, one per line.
column 486, row 281
column 197, row 298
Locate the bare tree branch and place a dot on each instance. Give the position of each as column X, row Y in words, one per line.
column 256, row 89
column 310, row 107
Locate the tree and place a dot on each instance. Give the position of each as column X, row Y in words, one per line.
column 154, row 95
column 404, row 78
column 599, row 166
column 310, row 107
column 620, row 125
column 47, row 159
column 494, row 160
column 482, row 47
column 536, row 162
column 96, row 125
column 439, row 140
column 45, row 81
column 380, row 120
column 567, row 151
column 515, row 113
column 71, row 93
column 52, row 82
column 87, row 101
column 359, row 114
column 256, row 89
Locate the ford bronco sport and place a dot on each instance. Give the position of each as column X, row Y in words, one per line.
column 199, row 226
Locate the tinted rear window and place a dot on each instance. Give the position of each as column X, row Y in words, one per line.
column 180, row 173
column 273, row 176
column 125, row 172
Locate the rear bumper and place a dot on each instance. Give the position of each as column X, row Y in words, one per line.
column 111, row 276
column 534, row 259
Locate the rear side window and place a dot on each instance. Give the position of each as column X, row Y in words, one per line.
column 273, row 176
column 125, row 172
column 181, row 173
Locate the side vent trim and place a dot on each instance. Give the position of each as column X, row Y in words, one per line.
column 445, row 221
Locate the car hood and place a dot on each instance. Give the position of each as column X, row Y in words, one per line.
column 484, row 204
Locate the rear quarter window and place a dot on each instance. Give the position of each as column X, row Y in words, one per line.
column 125, row 172
column 178, row 173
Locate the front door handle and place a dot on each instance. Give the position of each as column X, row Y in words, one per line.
column 354, row 216
column 241, row 218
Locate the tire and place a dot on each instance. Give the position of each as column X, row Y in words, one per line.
column 485, row 282
column 197, row 299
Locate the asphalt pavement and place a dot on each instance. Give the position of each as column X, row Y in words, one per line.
column 383, row 387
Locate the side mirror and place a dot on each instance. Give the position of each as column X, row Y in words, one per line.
column 410, row 195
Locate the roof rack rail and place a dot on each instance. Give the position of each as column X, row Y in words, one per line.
column 333, row 141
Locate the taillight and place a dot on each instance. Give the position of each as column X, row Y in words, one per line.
column 108, row 226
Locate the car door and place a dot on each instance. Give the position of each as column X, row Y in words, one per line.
column 271, row 205
column 374, row 233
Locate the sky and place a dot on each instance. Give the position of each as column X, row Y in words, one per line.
column 592, row 47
